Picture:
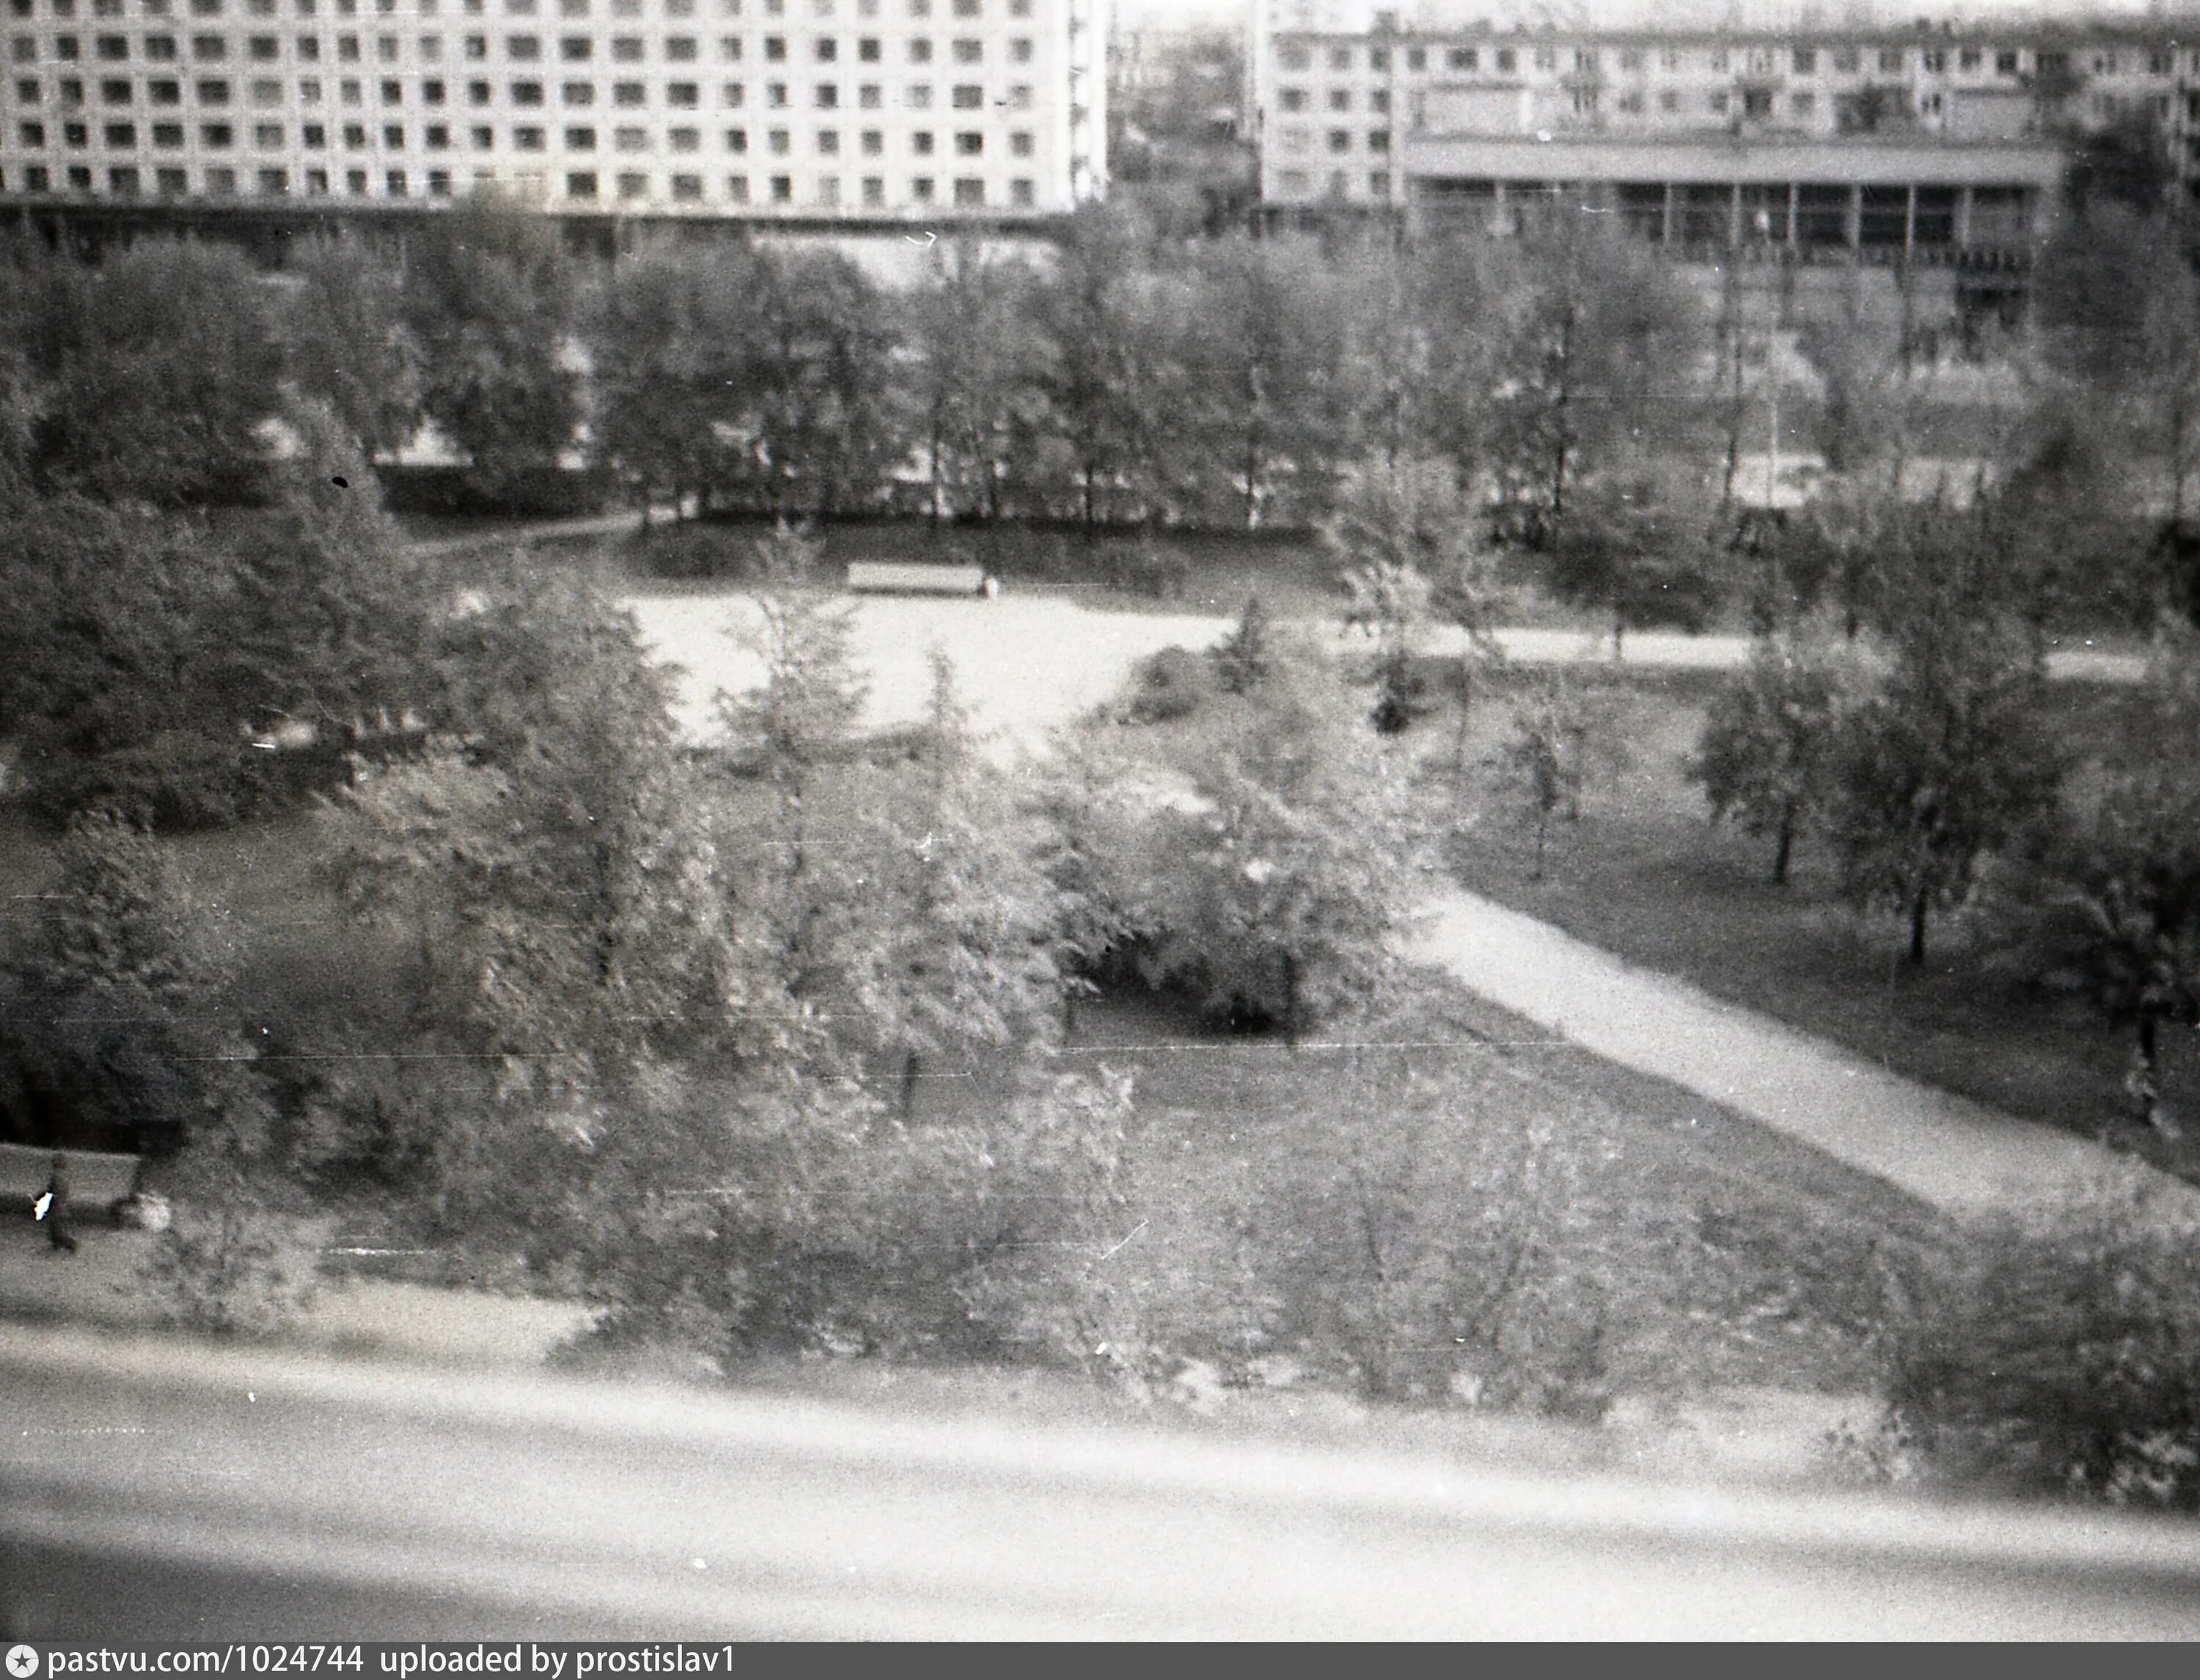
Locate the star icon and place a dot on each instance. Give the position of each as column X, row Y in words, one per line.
column 22, row 1661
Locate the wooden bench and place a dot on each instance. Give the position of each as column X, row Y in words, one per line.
column 99, row 1183
column 901, row 577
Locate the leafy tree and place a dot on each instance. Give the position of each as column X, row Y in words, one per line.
column 1247, row 655
column 974, row 379
column 1763, row 758
column 2127, row 852
column 1948, row 762
column 487, row 303
column 670, row 332
column 1544, row 754
column 347, row 344
column 954, row 943
column 154, row 372
column 819, row 439
column 1640, row 555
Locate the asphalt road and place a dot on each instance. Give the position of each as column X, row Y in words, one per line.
column 169, row 1492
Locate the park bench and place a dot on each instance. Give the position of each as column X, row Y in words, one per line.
column 906, row 577
column 100, row 1184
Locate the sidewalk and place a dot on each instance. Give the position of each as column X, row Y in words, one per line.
column 1943, row 1149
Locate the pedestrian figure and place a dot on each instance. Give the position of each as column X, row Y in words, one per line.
column 54, row 1205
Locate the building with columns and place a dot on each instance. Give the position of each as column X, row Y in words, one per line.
column 789, row 111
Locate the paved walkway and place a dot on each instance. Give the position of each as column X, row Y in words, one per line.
column 1953, row 1153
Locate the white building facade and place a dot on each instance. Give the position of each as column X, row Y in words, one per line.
column 781, row 111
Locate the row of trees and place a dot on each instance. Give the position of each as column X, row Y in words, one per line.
column 1933, row 755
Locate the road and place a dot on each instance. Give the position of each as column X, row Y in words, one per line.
column 167, row 1491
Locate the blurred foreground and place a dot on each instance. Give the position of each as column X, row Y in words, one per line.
column 171, row 1491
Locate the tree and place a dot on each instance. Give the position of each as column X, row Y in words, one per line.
column 1949, row 762
column 1641, row 555
column 486, row 300
column 1246, row 657
column 1762, row 759
column 346, row 341
column 974, row 376
column 2125, row 853
column 154, row 373
column 1544, row 755
column 672, row 334
column 952, row 942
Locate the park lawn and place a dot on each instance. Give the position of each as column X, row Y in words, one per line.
column 1645, row 874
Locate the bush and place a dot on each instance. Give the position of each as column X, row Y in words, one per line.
column 2061, row 1356
column 1169, row 685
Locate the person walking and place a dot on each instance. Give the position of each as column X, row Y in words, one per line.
column 54, row 1205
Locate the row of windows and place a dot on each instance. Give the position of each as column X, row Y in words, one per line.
column 519, row 49
column 126, row 181
column 438, row 136
column 675, row 10
column 2004, row 62
column 680, row 96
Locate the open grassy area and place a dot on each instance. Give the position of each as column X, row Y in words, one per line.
column 1644, row 873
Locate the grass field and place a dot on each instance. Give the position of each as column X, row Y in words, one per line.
column 1644, row 873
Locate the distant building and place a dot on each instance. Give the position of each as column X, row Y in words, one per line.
column 793, row 112
column 1938, row 144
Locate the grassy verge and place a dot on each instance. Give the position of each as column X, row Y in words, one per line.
column 1645, row 874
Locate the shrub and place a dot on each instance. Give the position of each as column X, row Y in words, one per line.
column 1168, row 685
column 2062, row 1354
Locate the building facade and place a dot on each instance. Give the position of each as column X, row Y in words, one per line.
column 1937, row 144
column 774, row 111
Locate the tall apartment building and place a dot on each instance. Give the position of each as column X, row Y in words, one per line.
column 816, row 111
column 1937, row 142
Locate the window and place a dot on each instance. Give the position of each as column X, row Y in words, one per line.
column 1806, row 62
column 729, row 48
column 222, row 183
column 1020, row 97
column 392, row 93
column 1379, row 102
column 1966, row 61
column 1340, row 139
column 1340, row 58
column 969, row 192
column 1631, row 59
column 1293, row 98
column 1719, row 101
column 1933, row 61
column 482, row 140
column 968, row 96
column 267, row 93
column 873, row 143
column 206, row 48
column 828, row 95
column 75, row 135
column 686, row 96
column 920, row 51
column 687, row 188
column 1890, row 60
column 1803, row 104
column 684, row 139
column 828, row 49
column 1462, row 58
column 969, row 52
column 213, row 93
column 737, row 139
column 314, row 137
column 1019, row 144
column 2005, row 64
column 578, row 93
column 267, row 136
column 1379, row 139
column 354, row 135
column 523, row 48
column 1295, row 58
column 1507, row 61
column 631, row 94
column 356, row 181
column 263, row 50
column 774, row 93
column 779, row 141
column 273, row 182
column 869, row 96
column 630, row 139
column 580, row 139
column 919, row 188
column 867, row 50
column 527, row 93
column 347, row 49
column 432, row 93
column 112, row 49
column 968, row 144
column 477, row 93
column 171, row 183
column 114, row 93
column 828, row 143
column 875, row 190
column 120, row 136
column 35, row 179
column 576, row 48
column 1379, row 182
column 72, row 91
column 163, row 48
column 633, row 185
column 477, row 46
column 65, row 46
column 918, row 97
column 737, row 188
column 168, row 136
column 529, row 140
column 25, row 49
column 1846, row 60
column 680, row 48
column 1023, row 193
column 393, row 136
column 581, row 184
column 438, row 138
column 439, row 184
column 216, row 135
column 920, row 143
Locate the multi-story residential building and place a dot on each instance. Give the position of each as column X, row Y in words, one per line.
column 1940, row 143
column 796, row 111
